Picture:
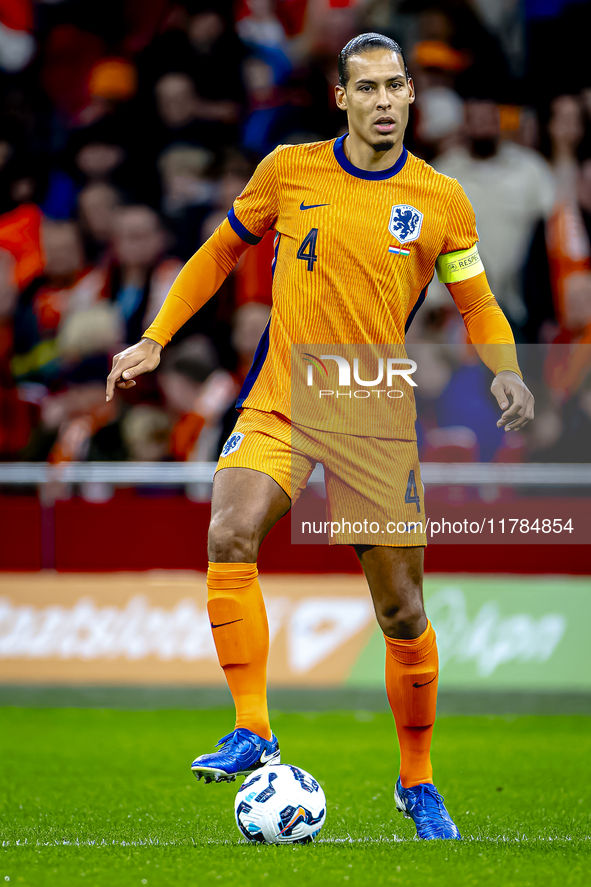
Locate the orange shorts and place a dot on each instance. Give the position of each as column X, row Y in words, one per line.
column 373, row 485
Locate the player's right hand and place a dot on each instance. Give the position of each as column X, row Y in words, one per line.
column 143, row 357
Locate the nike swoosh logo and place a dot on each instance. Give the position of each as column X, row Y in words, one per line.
column 426, row 682
column 312, row 205
column 266, row 757
column 225, row 623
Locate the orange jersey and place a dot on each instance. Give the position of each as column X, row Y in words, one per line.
column 354, row 254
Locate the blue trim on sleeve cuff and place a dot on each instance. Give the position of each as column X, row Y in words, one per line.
column 345, row 163
column 241, row 231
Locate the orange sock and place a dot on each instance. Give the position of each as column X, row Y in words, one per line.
column 412, row 667
column 241, row 634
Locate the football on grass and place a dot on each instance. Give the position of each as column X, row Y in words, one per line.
column 280, row 805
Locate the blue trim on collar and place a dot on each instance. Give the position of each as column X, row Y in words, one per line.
column 345, row 163
column 241, row 231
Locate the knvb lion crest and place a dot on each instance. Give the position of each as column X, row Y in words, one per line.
column 233, row 443
column 405, row 223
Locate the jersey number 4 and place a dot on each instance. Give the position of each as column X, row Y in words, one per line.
column 412, row 495
column 307, row 250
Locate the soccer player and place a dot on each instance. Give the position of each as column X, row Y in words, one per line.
column 360, row 226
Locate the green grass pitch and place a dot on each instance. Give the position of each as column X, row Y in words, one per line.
column 102, row 797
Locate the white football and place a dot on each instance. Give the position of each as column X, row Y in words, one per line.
column 280, row 805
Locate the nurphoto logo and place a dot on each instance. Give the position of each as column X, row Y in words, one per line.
column 396, row 369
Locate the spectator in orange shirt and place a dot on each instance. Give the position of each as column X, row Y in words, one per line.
column 66, row 284
column 197, row 394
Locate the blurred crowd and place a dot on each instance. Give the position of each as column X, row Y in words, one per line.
column 127, row 129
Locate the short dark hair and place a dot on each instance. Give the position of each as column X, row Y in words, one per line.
column 366, row 43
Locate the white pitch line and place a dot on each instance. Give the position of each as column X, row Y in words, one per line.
column 501, row 839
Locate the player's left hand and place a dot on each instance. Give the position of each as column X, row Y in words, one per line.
column 514, row 398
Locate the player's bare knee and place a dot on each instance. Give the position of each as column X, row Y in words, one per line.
column 231, row 542
column 406, row 620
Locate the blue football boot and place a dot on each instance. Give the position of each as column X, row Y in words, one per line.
column 240, row 753
column 424, row 805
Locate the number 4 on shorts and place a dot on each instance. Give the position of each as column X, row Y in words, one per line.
column 411, row 491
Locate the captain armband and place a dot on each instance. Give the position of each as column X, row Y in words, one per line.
column 460, row 265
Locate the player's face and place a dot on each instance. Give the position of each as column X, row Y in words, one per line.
column 377, row 98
